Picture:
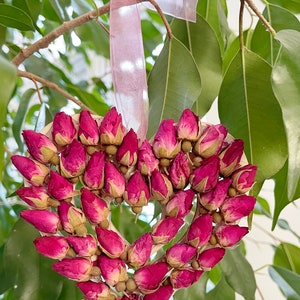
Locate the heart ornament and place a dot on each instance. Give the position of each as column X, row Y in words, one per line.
column 79, row 166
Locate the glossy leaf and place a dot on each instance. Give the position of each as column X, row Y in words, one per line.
column 292, row 5
column 245, row 102
column 286, row 86
column 221, row 291
column 31, row 7
column 288, row 256
column 287, row 281
column 174, row 84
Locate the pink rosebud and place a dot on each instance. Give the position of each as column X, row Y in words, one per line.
column 114, row 181
column 180, row 204
column 73, row 158
column 165, row 144
column 94, row 290
column 165, row 230
column 55, row 247
column 113, row 270
column 214, row 198
column 180, row 171
column 93, row 176
column 189, row 126
column 88, row 132
column 206, row 176
column 229, row 235
column 137, row 191
column 180, row 254
column 94, row 208
column 243, row 178
column 209, row 258
column 59, row 187
column 164, row 292
column 32, row 170
column 147, row 162
column 148, row 278
column 127, row 152
column 230, row 157
column 111, row 243
column 200, row 230
column 161, row 186
column 184, row 278
column 35, row 196
column 63, row 131
column 43, row 220
column 237, row 207
column 40, row 147
column 72, row 218
column 140, row 250
column 111, row 128
column 83, row 246
column 77, row 268
column 210, row 141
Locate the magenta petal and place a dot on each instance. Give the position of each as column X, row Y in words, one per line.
column 161, row 186
column 243, row 178
column 209, row 258
column 114, row 181
column 94, row 290
column 229, row 235
column 59, row 187
column 183, row 278
column 35, row 196
column 88, row 132
column 180, row 254
column 164, row 292
column 127, row 152
column 83, row 246
column 188, row 127
column 147, row 162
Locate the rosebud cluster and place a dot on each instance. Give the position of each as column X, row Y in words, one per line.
column 80, row 165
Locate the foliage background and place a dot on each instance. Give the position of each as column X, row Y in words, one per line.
column 256, row 77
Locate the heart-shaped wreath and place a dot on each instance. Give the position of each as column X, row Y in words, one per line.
column 80, row 166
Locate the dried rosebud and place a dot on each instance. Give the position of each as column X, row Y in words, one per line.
column 95, row 290
column 183, row 278
column 73, row 160
column 83, row 246
column 35, row 196
column 88, row 132
column 127, row 152
column 94, row 208
column 72, row 218
column 180, row 204
column 40, row 147
column 165, row 230
column 111, row 128
column 180, row 254
column 111, row 243
column 210, row 141
column 210, row 257
column 148, row 278
column 59, row 187
column 206, row 176
column 230, row 157
column 161, row 186
column 243, row 178
column 43, row 220
column 77, row 268
column 180, row 171
column 113, row 270
column 32, row 170
column 229, row 235
column 214, row 198
column 137, row 191
column 189, row 126
column 164, row 292
column 140, row 250
column 93, row 176
column 55, row 247
column 200, row 230
column 147, row 162
column 237, row 207
column 165, row 144
column 114, row 183
column 63, row 131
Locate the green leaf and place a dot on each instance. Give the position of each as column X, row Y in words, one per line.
column 31, row 7
column 44, row 118
column 288, row 256
column 11, row 16
column 221, row 291
column 292, row 5
column 238, row 273
column 202, row 41
column 174, row 84
column 245, row 102
column 287, row 281
column 286, row 86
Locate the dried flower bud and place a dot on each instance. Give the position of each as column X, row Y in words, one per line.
column 127, row 152
column 161, row 186
column 243, row 178
column 114, row 183
column 43, row 220
column 180, row 254
column 59, row 187
column 35, row 196
column 88, row 132
column 63, row 131
column 189, row 126
column 83, row 245
column 164, row 292
column 209, row 258
column 147, row 162
column 95, row 290
column 183, row 278
column 229, row 235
